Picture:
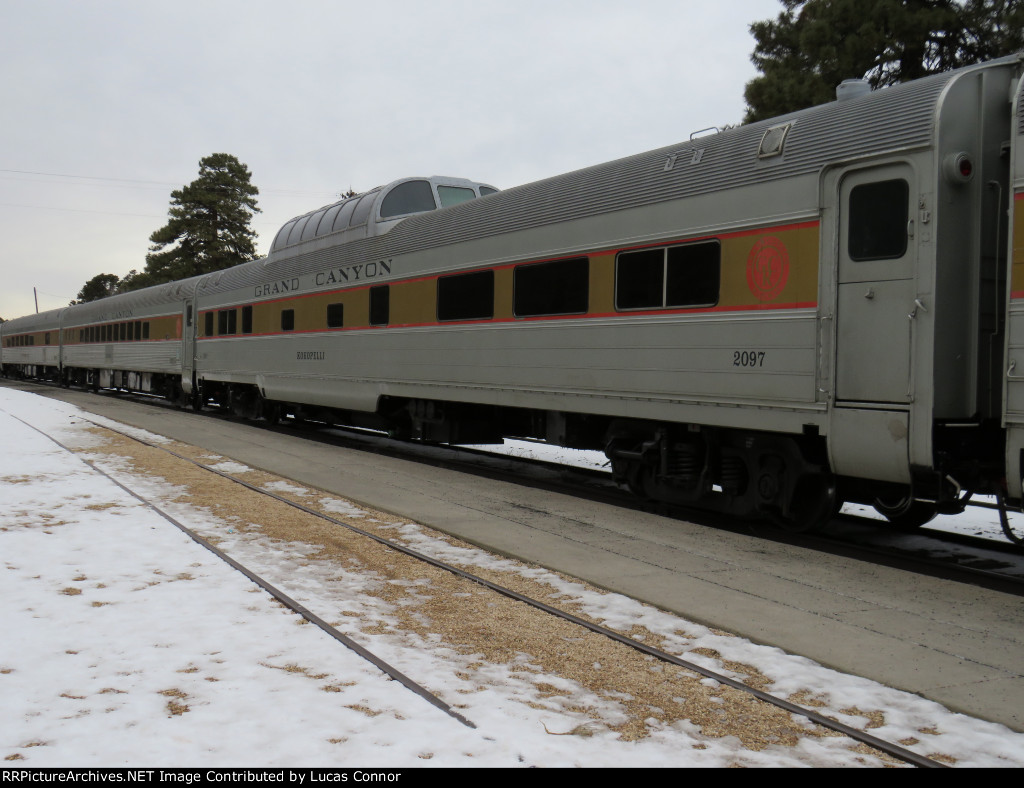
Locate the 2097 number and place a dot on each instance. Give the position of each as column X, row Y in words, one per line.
column 748, row 358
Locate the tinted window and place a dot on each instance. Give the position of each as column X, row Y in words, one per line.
column 466, row 296
column 282, row 235
column 693, row 274
column 878, row 220
column 288, row 320
column 296, row 234
column 145, row 330
column 409, row 197
column 453, row 195
column 640, row 279
column 246, row 319
column 363, row 209
column 327, row 222
column 675, row 276
column 557, row 288
column 208, row 329
column 380, row 305
column 335, row 315
column 344, row 215
column 314, row 221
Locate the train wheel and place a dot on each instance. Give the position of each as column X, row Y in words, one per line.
column 814, row 503
column 904, row 512
column 635, row 481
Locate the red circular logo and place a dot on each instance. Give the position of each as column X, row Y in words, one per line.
column 767, row 268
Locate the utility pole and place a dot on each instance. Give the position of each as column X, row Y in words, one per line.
column 35, row 295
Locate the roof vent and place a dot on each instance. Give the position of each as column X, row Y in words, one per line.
column 773, row 142
column 852, row 88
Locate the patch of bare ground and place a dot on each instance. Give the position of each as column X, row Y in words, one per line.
column 293, row 668
column 429, row 606
column 175, row 707
column 364, row 710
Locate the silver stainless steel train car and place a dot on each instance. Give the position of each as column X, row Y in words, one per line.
column 767, row 320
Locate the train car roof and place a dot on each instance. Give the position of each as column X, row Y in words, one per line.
column 124, row 305
column 43, row 321
column 375, row 211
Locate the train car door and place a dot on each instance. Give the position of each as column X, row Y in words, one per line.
column 870, row 223
column 876, row 287
column 188, row 344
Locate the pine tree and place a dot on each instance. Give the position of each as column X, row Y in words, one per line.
column 100, row 286
column 814, row 45
column 209, row 227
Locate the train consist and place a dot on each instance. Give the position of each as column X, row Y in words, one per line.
column 769, row 320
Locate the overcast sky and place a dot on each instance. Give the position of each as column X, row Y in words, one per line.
column 108, row 105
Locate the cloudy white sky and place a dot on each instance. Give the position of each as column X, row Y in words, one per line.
column 108, row 105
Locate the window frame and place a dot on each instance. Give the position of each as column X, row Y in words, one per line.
column 451, row 292
column 665, row 276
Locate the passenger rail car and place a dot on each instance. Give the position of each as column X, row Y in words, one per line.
column 767, row 320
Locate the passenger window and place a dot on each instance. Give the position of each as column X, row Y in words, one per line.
column 453, row 195
column 408, row 197
column 640, row 279
column 879, row 213
column 561, row 287
column 287, row 319
column 314, row 221
column 282, row 237
column 341, row 222
column 208, row 332
column 380, row 305
column 335, row 315
column 222, row 322
column 145, row 330
column 296, row 234
column 247, row 319
column 363, row 208
column 327, row 222
column 676, row 276
column 692, row 275
column 466, row 296
column 138, row 330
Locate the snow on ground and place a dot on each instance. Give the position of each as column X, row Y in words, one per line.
column 126, row 644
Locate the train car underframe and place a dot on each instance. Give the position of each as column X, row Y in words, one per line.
column 781, row 477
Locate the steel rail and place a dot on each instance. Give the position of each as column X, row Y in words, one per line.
column 275, row 592
column 894, row 750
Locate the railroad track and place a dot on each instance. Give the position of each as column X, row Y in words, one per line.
column 889, row 748
column 996, row 565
